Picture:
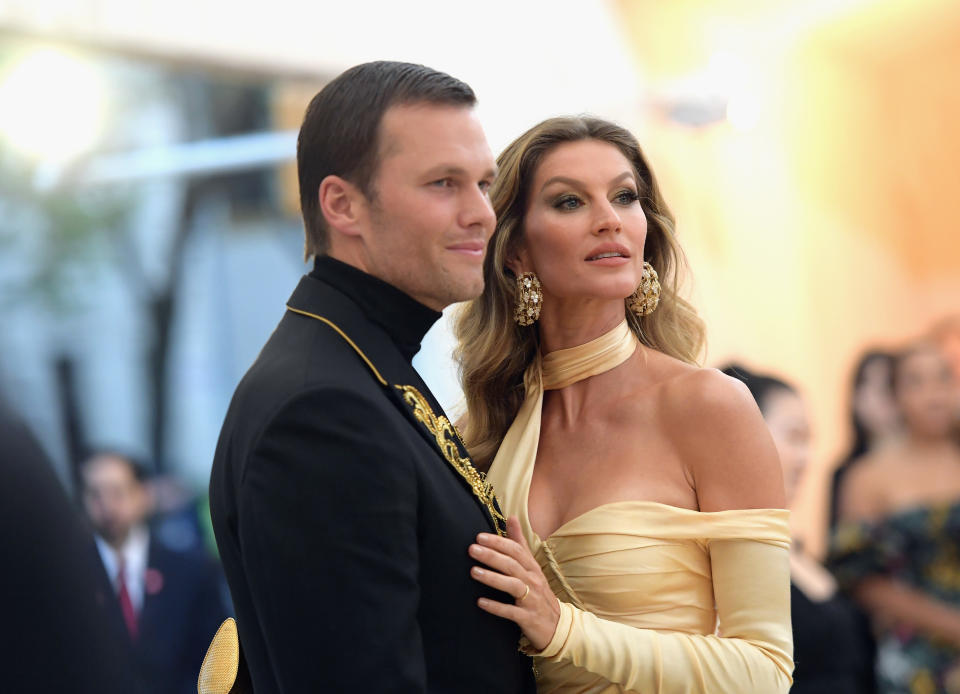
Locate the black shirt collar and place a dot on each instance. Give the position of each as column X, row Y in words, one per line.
column 404, row 318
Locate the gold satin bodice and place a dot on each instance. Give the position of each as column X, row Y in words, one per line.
column 642, row 585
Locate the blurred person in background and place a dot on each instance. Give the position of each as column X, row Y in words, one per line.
column 897, row 548
column 874, row 418
column 59, row 629
column 832, row 645
column 170, row 599
column 946, row 335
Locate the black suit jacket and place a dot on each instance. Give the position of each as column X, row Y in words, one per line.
column 182, row 608
column 343, row 528
column 60, row 628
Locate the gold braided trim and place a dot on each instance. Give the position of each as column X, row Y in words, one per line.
column 218, row 673
column 439, row 427
column 445, row 434
column 346, row 337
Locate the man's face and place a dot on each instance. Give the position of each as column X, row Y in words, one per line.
column 114, row 499
column 430, row 216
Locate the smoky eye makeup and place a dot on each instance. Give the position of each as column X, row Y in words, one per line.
column 566, row 201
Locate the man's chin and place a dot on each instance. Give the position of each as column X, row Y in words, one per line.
column 468, row 291
column 112, row 536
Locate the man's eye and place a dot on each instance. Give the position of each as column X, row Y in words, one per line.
column 443, row 183
column 485, row 186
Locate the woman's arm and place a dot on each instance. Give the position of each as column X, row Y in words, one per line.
column 751, row 655
column 888, row 599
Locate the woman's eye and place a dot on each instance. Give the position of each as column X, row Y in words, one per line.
column 626, row 197
column 485, row 186
column 567, row 202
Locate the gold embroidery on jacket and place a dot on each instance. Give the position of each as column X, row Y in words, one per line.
column 446, row 434
column 439, row 427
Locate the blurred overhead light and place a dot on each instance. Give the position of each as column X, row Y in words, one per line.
column 724, row 90
column 51, row 106
column 743, row 112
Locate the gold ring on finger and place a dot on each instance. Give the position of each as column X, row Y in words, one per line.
column 526, row 592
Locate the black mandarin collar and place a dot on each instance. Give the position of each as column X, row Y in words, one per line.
column 404, row 318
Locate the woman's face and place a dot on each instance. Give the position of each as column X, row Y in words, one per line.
column 873, row 401
column 786, row 417
column 926, row 393
column 584, row 228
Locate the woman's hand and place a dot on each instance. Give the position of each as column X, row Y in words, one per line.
column 512, row 569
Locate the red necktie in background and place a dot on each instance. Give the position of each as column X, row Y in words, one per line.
column 126, row 604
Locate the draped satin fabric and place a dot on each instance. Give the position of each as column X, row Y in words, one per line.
column 654, row 598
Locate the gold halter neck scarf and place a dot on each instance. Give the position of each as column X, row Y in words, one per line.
column 564, row 367
column 513, row 464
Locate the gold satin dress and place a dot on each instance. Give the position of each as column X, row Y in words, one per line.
column 654, row 598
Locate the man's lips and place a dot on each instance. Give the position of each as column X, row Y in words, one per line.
column 471, row 248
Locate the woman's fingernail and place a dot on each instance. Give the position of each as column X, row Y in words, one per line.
column 477, row 571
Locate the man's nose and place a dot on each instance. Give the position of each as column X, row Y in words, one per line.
column 478, row 210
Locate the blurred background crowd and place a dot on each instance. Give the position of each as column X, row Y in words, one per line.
column 150, row 235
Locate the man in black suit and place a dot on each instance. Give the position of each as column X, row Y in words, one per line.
column 60, row 630
column 170, row 599
column 342, row 498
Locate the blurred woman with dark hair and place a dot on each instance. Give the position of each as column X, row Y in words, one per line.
column 897, row 548
column 832, row 647
column 874, row 417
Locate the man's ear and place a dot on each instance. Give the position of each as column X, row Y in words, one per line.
column 343, row 205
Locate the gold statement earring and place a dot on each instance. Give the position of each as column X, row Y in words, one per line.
column 644, row 300
column 529, row 299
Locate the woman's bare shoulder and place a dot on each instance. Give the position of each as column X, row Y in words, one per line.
column 706, row 392
column 684, row 391
column 719, row 432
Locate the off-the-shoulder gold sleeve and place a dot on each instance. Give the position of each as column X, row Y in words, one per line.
column 752, row 653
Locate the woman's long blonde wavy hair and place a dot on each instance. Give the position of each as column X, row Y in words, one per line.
column 493, row 352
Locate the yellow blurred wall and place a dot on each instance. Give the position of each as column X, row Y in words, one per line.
column 829, row 222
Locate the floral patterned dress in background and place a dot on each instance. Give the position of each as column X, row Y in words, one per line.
column 919, row 547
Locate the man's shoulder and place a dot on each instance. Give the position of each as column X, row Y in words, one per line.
column 304, row 357
column 304, row 371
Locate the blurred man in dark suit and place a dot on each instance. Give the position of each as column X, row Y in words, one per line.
column 170, row 600
column 60, row 630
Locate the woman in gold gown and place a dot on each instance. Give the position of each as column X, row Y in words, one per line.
column 647, row 545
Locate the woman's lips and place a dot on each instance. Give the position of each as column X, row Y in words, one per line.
column 612, row 261
column 609, row 251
